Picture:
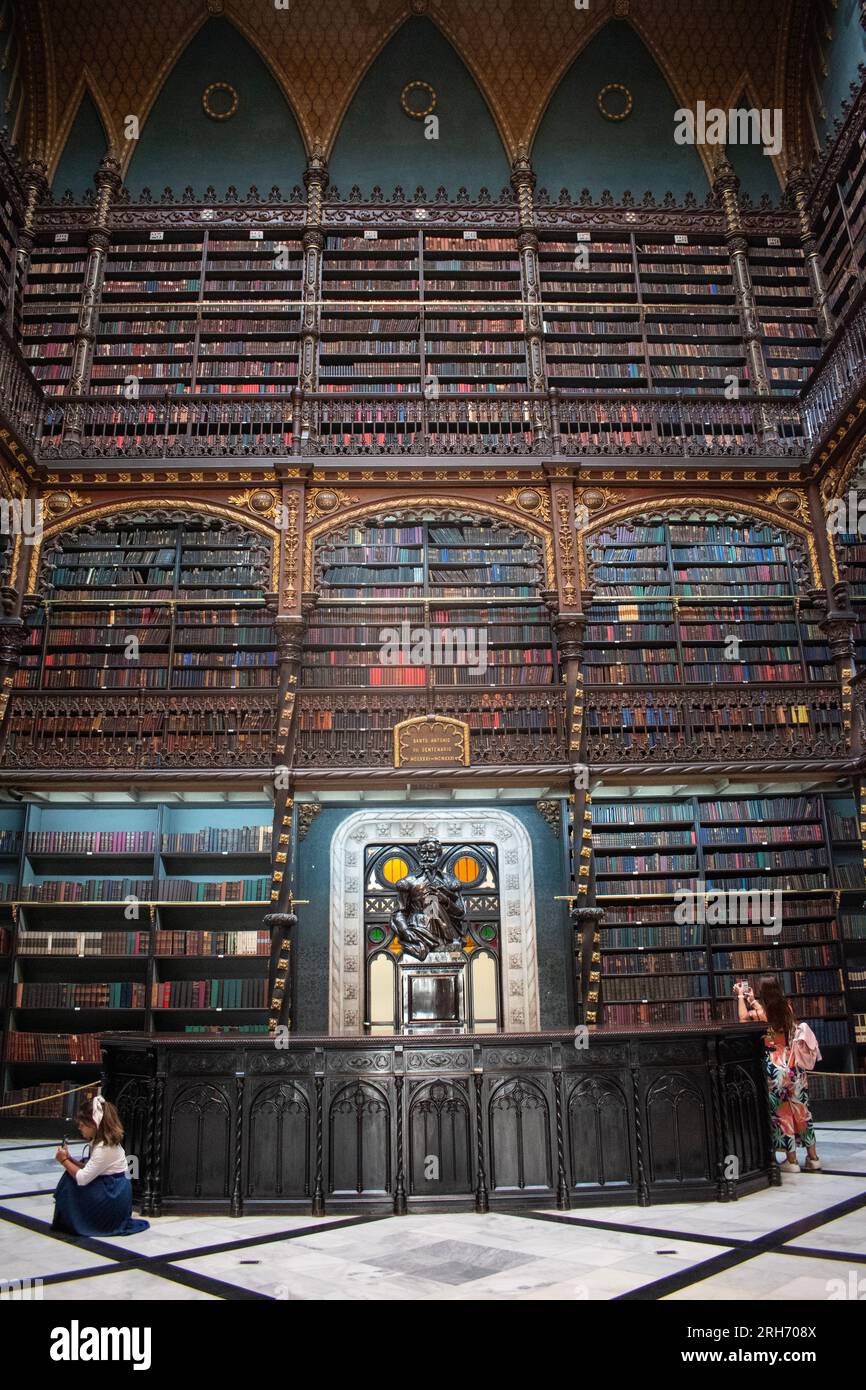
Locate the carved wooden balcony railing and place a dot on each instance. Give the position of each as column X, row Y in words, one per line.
column 631, row 724
column 341, row 425
column 140, row 730
column 505, row 726
column 21, row 400
column 837, row 378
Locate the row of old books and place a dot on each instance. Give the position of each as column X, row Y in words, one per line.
column 210, row 994
column 113, row 994
column 54, row 1047
column 147, row 890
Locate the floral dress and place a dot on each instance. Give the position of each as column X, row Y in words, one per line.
column 790, row 1116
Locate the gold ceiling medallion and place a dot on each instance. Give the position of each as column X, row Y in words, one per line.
column 602, row 104
column 415, row 112
column 210, row 109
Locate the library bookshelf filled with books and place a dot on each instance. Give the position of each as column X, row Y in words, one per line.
column 479, row 496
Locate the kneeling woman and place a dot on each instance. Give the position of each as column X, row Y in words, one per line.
column 95, row 1198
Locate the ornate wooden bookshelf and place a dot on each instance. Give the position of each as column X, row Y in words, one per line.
column 142, row 953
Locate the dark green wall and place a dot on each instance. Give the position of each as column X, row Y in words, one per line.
column 577, row 148
column 85, row 146
column 312, row 934
column 847, row 50
column 180, row 145
column 379, row 144
column 755, row 170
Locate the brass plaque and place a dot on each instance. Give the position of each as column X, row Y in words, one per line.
column 431, row 740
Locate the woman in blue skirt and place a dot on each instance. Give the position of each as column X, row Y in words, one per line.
column 95, row 1198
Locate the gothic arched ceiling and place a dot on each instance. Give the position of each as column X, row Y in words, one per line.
column 517, row 51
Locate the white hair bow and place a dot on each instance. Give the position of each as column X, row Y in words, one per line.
column 98, row 1108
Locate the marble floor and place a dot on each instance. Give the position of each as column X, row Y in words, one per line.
column 805, row 1240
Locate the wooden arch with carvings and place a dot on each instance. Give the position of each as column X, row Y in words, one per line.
column 410, row 505
column 125, row 506
column 705, row 507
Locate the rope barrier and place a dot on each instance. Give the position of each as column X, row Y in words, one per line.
column 20, row 1104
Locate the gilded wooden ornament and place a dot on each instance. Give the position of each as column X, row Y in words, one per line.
column 207, row 102
column 601, row 102
column 417, row 113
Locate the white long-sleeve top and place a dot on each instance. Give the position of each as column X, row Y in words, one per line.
column 104, row 1159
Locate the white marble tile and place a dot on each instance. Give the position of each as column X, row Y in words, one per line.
column 777, row 1278
column 28, row 1255
column 846, row 1233
column 125, row 1284
column 359, row 1264
column 757, row 1214
column 170, row 1235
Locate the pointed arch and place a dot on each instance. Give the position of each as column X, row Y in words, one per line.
column 702, row 506
column 87, row 134
column 375, row 142
column 413, row 504
column 758, row 173
column 180, row 145
column 573, row 145
column 102, row 511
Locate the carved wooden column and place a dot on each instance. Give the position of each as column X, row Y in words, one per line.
column 523, row 182
column 281, row 919
column 35, row 192
column 797, row 190
column 107, row 186
column 725, row 188
column 316, row 182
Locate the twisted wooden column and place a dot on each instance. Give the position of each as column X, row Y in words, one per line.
column 797, row 189
column 726, row 188
column 523, row 183
column 107, row 187
column 316, row 182
column 35, row 192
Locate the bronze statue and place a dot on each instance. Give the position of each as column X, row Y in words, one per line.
column 431, row 915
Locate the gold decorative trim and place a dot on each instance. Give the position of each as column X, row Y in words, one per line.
column 800, row 502
column 565, row 542
column 259, row 500
column 521, row 497
column 613, row 115
column 319, row 501
column 418, row 87
column 148, row 503
column 723, row 504
column 291, row 539
column 206, row 102
column 410, row 501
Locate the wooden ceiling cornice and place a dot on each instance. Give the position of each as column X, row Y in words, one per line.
column 517, row 51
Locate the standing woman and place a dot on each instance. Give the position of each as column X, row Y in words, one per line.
column 95, row 1198
column 790, row 1116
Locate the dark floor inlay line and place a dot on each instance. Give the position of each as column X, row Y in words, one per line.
column 656, row 1232
column 768, row 1244
column 815, row 1253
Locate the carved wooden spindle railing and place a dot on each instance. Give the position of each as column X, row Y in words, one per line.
column 505, row 726
column 140, row 730
column 630, row 724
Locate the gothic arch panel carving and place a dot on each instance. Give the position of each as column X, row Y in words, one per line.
column 439, row 1128
column 520, row 1149
column 360, row 1140
column 199, row 1129
column 678, row 1147
column 278, row 1146
column 598, row 1134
